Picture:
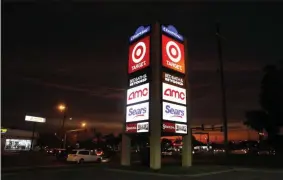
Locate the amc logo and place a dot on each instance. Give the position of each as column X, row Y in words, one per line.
column 173, row 93
column 138, row 94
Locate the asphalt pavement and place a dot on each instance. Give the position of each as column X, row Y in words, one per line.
column 100, row 172
column 59, row 170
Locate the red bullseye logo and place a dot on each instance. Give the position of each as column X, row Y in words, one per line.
column 138, row 52
column 173, row 54
column 139, row 55
column 173, row 51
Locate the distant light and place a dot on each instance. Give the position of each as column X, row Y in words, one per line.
column 3, row 130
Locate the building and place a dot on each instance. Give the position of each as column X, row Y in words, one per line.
column 17, row 140
column 237, row 131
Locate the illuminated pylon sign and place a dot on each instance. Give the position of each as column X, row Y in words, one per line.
column 157, row 98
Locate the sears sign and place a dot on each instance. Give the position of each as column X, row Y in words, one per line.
column 173, row 93
column 174, row 112
column 138, row 112
column 138, row 94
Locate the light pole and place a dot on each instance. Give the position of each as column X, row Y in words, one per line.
column 83, row 125
column 223, row 88
column 63, row 109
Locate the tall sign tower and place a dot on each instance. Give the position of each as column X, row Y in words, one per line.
column 157, row 97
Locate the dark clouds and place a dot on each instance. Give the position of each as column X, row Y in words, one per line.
column 78, row 53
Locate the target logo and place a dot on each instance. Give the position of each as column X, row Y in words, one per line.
column 173, row 54
column 139, row 55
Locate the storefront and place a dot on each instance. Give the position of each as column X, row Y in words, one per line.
column 17, row 140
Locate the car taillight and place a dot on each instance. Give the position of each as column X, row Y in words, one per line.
column 99, row 153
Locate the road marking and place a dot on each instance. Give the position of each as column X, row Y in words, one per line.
column 210, row 173
column 142, row 173
column 279, row 171
column 8, row 174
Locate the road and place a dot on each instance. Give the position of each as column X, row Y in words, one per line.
column 86, row 173
column 41, row 159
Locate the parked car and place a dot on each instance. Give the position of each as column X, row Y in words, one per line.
column 266, row 152
column 61, row 154
column 81, row 155
column 167, row 153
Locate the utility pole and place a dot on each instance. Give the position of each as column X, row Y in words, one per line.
column 223, row 88
column 63, row 130
column 32, row 140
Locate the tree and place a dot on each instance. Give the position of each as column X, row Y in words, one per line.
column 270, row 117
column 257, row 120
column 110, row 139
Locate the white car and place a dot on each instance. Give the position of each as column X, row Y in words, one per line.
column 81, row 155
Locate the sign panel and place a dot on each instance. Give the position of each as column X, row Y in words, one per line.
column 139, row 55
column 173, row 93
column 172, row 79
column 171, row 127
column 137, row 127
column 138, row 94
column 173, row 54
column 138, row 112
column 131, row 127
column 139, row 32
column 168, row 127
column 172, row 31
column 142, row 127
column 35, row 119
column 138, row 80
column 174, row 112
column 181, row 128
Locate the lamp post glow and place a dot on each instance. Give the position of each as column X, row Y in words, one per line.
column 83, row 124
column 63, row 109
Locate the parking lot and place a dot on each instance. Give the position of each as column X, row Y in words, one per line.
column 99, row 171
column 29, row 159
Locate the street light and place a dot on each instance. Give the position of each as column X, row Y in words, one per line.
column 62, row 107
column 83, row 124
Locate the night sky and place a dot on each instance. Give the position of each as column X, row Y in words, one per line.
column 77, row 54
